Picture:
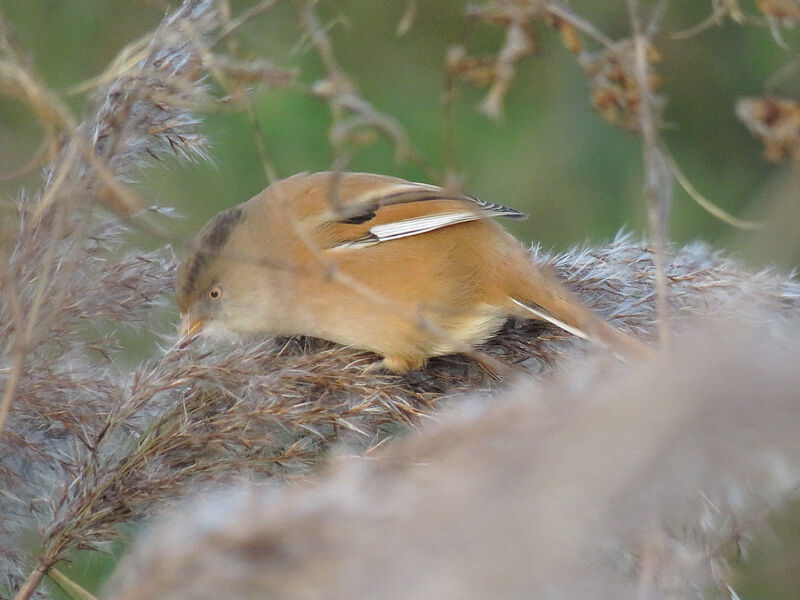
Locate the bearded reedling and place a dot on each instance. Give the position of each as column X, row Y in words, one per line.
column 441, row 276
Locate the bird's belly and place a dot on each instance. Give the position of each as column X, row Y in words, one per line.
column 392, row 330
column 466, row 330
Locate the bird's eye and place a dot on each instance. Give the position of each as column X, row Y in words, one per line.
column 215, row 292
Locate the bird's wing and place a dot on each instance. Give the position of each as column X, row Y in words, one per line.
column 370, row 209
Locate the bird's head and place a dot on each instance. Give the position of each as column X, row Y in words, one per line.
column 211, row 283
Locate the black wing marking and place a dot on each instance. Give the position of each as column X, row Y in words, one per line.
column 498, row 210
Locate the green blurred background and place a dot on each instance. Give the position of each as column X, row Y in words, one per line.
column 551, row 154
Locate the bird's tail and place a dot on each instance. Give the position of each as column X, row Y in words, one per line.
column 543, row 297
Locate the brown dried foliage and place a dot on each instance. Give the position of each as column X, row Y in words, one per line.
column 776, row 122
column 787, row 12
column 616, row 93
column 518, row 18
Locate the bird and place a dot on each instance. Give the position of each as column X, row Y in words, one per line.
column 406, row 270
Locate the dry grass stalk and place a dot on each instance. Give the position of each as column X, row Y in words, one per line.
column 356, row 122
column 518, row 19
column 778, row 13
column 638, row 481
column 658, row 178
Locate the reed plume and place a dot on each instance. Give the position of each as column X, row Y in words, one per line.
column 629, row 481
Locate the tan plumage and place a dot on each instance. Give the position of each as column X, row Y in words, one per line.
column 406, row 270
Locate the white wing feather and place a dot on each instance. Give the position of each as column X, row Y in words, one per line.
column 407, row 228
column 418, row 225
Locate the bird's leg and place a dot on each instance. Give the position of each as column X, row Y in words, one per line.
column 397, row 364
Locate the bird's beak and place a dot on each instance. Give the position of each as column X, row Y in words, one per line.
column 189, row 325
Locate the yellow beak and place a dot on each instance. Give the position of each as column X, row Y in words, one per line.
column 189, row 326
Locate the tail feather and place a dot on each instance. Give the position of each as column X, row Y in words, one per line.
column 544, row 316
column 572, row 316
column 534, row 291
